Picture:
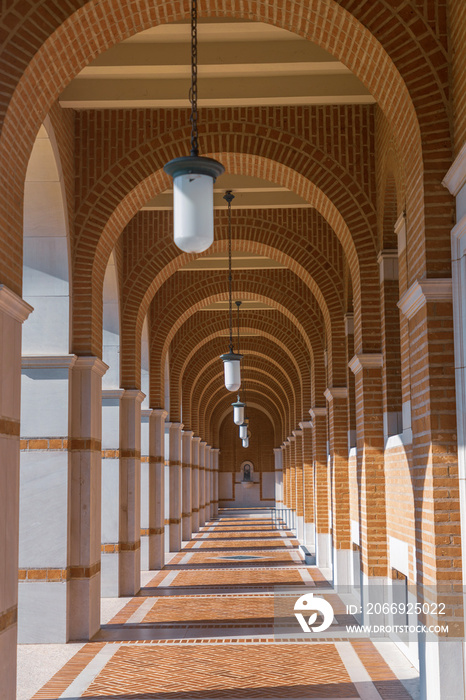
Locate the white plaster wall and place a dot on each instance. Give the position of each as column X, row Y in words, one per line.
column 43, row 529
column 111, row 327
column 225, row 487
column 268, row 486
column 110, row 500
column 42, row 612
column 110, row 424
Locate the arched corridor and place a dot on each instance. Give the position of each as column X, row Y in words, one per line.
column 341, row 127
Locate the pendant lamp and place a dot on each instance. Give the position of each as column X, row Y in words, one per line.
column 231, row 359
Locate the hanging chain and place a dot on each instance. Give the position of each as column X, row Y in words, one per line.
column 238, row 304
column 229, row 197
column 193, row 90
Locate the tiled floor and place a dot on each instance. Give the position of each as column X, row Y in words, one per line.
column 210, row 626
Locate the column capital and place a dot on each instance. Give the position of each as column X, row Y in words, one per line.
column 14, row 305
column 297, row 433
column 336, row 392
column 455, row 178
column 89, row 362
column 305, row 424
column 216, row 450
column 365, row 361
column 112, row 394
column 188, row 433
column 175, row 426
column 146, row 412
column 203, row 443
column 159, row 413
column 290, row 439
column 282, row 447
column 424, row 291
column 388, row 265
column 134, row 394
column 277, row 450
column 196, row 438
column 318, row 412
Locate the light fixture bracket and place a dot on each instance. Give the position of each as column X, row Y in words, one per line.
column 199, row 165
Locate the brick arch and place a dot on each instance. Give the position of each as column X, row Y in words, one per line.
column 257, row 379
column 68, row 42
column 277, row 330
column 258, row 400
column 169, row 318
column 211, row 347
column 218, row 418
column 250, row 234
column 210, row 377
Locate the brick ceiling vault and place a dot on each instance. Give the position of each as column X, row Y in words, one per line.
column 320, row 175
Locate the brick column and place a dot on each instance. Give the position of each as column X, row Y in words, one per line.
column 175, row 487
column 427, row 306
column 157, row 489
column 308, row 479
column 195, row 483
column 349, row 335
column 291, row 450
column 390, row 324
column 337, row 398
column 186, row 514
column 85, row 505
column 286, row 476
column 367, row 369
column 322, row 500
column 277, row 453
column 298, row 458
column 215, row 455
column 208, row 475
column 13, row 312
column 130, row 493
column 202, row 514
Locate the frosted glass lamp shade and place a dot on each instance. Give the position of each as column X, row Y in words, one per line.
column 243, row 431
column 232, row 371
column 238, row 412
column 246, row 442
column 193, row 201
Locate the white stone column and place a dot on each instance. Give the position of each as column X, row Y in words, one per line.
column 44, row 479
column 13, row 311
column 186, row 514
column 202, row 513
column 130, row 493
column 208, row 479
column 195, row 483
column 215, row 456
column 85, row 497
column 146, row 414
column 175, row 486
column 109, row 562
column 277, row 453
column 157, row 489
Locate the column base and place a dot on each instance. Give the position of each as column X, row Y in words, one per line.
column 174, row 537
column 42, row 612
column 195, row 521
column 323, row 550
column 186, row 529
column 84, row 615
column 342, row 568
column 156, row 551
column 201, row 516
column 310, row 536
column 109, row 577
column 130, row 572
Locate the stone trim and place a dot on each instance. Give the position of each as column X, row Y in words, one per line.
column 9, row 427
column 400, row 231
column 174, row 521
column 336, row 392
column 156, row 459
column 156, row 530
column 185, row 515
column 79, row 572
column 48, row 361
column 89, row 362
column 53, row 575
column 146, row 412
column 8, row 618
column 349, row 324
column 159, row 412
column 455, row 178
column 366, row 361
column 79, row 444
column 130, row 454
column 108, row 394
column 305, row 424
column 174, row 463
column 130, row 546
column 318, row 411
column 46, row 443
column 422, row 292
column 297, row 433
column 14, row 305
column 110, row 548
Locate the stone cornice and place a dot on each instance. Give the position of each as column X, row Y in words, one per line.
column 112, row 394
column 456, row 176
column 336, row 392
column 48, row 361
column 423, row 291
column 318, row 411
column 92, row 363
column 13, row 305
column 365, row 361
